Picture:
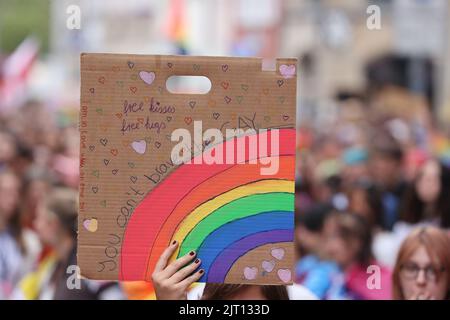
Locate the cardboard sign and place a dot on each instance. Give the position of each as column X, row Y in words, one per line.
column 158, row 166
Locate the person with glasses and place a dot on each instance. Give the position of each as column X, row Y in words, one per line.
column 422, row 270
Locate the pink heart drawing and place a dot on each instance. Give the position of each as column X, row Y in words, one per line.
column 147, row 77
column 287, row 71
column 250, row 273
column 284, row 275
column 139, row 146
column 268, row 266
column 277, row 253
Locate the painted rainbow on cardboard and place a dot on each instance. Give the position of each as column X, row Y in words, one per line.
column 222, row 211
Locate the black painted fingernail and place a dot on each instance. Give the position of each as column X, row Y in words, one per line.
column 197, row 261
column 201, row 271
column 174, row 242
column 191, row 253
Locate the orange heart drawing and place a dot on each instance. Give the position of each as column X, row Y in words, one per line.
column 101, row 80
column 225, row 85
column 119, row 115
column 211, row 103
column 188, row 120
column 114, row 152
column 133, row 89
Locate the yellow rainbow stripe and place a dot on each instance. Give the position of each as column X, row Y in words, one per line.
column 204, row 210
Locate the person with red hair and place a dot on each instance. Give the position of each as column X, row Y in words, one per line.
column 422, row 270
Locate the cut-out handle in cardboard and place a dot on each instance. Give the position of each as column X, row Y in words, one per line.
column 238, row 220
column 180, row 84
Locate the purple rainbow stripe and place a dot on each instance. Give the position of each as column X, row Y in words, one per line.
column 223, row 263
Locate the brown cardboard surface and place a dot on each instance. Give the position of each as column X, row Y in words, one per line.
column 134, row 200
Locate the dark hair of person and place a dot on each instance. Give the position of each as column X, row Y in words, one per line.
column 224, row 291
column 413, row 208
column 15, row 221
column 386, row 146
column 373, row 199
column 313, row 218
column 353, row 227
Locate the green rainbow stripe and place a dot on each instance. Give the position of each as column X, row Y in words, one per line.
column 237, row 209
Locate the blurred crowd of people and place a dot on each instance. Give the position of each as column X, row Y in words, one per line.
column 373, row 199
column 372, row 203
column 39, row 207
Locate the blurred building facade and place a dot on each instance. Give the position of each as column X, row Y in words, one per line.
column 330, row 37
